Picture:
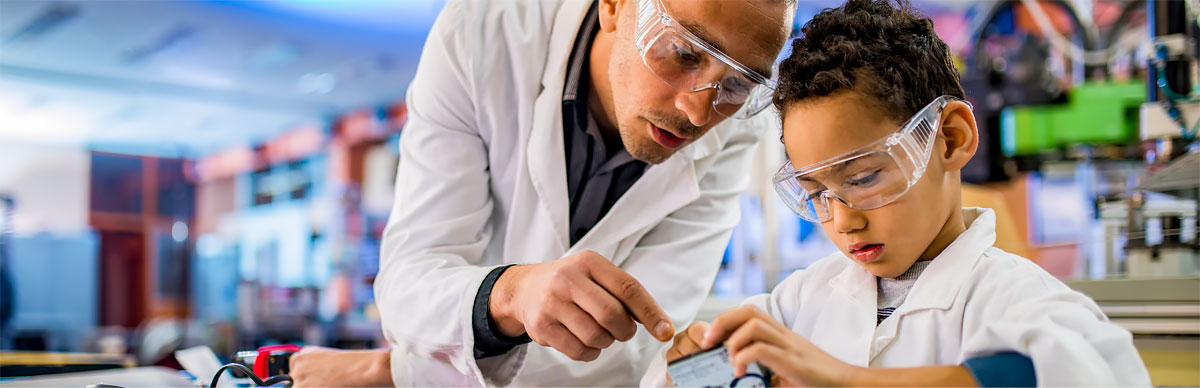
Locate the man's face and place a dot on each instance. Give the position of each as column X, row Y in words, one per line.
column 886, row 240
column 655, row 119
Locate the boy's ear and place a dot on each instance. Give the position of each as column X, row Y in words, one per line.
column 961, row 135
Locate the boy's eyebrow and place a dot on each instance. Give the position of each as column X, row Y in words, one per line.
column 849, row 163
column 844, row 165
column 805, row 179
column 707, row 37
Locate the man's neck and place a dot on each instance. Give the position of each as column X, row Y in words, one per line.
column 600, row 99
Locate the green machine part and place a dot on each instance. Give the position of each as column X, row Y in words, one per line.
column 1096, row 113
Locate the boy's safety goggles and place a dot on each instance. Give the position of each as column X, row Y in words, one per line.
column 866, row 178
column 687, row 63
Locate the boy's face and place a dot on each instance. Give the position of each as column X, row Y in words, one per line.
column 886, row 240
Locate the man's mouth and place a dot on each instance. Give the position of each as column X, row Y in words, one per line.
column 866, row 253
column 666, row 138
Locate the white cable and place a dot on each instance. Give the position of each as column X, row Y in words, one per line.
column 1074, row 51
column 1194, row 10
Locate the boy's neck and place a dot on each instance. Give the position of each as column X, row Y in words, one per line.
column 953, row 227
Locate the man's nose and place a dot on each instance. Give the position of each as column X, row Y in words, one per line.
column 697, row 105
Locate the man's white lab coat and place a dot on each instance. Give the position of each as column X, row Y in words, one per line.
column 973, row 300
column 482, row 183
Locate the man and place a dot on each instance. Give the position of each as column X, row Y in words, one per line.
column 578, row 141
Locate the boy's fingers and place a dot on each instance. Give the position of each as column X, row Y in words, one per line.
column 726, row 324
column 696, row 331
column 754, row 330
column 768, row 355
column 683, row 346
column 673, row 354
column 687, row 341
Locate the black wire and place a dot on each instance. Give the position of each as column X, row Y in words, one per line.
column 278, row 379
column 257, row 381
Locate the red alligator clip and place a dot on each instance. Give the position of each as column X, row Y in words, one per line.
column 273, row 360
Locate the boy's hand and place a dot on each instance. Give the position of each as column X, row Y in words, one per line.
column 687, row 341
column 753, row 336
column 316, row 366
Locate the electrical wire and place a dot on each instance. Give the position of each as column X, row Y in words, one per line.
column 1105, row 56
column 1160, row 70
column 1077, row 53
column 1194, row 7
column 257, row 381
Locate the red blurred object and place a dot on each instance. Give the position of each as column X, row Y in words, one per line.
column 273, row 360
column 1060, row 18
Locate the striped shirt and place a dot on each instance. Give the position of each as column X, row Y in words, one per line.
column 893, row 291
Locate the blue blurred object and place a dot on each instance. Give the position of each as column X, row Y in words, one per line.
column 400, row 16
column 214, row 280
column 6, row 285
column 56, row 283
column 1004, row 22
column 804, row 230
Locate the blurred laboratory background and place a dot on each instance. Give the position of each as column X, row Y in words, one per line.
column 193, row 172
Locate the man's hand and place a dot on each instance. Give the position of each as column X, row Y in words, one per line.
column 578, row 305
column 753, row 336
column 315, row 366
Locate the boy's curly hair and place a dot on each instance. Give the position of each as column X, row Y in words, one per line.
column 884, row 50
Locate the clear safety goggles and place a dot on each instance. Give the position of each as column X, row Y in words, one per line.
column 868, row 177
column 689, row 64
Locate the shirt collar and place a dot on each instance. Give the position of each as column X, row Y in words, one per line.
column 575, row 90
column 579, row 56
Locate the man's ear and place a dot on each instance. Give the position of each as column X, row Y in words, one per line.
column 608, row 10
column 961, row 135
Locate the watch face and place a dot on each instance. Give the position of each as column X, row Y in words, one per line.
column 711, row 368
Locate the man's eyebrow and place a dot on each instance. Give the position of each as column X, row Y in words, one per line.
column 703, row 34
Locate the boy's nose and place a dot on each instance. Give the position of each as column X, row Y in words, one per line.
column 845, row 219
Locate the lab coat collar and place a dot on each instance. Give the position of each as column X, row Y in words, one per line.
column 663, row 189
column 544, row 150
column 856, row 283
column 940, row 283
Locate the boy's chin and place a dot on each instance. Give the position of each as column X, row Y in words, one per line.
column 884, row 268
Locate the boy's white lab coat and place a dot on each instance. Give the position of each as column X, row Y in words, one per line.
column 481, row 182
column 973, row 300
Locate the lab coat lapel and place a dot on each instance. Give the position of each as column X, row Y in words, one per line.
column 661, row 190
column 546, row 161
column 853, row 312
column 941, row 282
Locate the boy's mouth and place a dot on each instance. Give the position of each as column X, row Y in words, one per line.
column 866, row 253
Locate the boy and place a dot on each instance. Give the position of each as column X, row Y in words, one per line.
column 876, row 131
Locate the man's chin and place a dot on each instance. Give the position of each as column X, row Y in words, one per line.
column 652, row 154
column 645, row 149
